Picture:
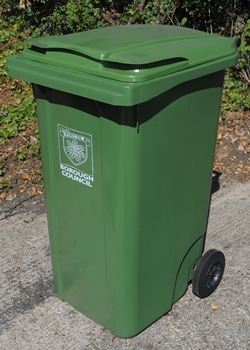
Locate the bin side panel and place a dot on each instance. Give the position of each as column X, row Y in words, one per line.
column 178, row 151
column 156, row 198
column 70, row 145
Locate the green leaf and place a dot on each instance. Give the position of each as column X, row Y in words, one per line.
column 184, row 21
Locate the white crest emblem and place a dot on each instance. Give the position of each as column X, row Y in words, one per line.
column 76, row 155
column 75, row 146
column 76, row 150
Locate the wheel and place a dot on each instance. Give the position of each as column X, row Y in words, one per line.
column 208, row 273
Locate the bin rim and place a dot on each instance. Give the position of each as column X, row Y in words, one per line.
column 107, row 90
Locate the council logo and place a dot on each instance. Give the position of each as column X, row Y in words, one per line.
column 76, row 155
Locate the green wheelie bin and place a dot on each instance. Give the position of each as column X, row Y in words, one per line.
column 128, row 121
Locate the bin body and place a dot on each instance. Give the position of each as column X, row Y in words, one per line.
column 127, row 189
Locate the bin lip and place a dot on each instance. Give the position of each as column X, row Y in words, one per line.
column 107, row 90
column 131, row 53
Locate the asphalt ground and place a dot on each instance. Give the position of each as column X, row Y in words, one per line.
column 32, row 317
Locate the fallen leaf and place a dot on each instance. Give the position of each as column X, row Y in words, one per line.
column 23, row 186
column 11, row 196
column 3, row 195
column 34, row 191
column 218, row 166
column 229, row 115
column 214, row 306
column 33, row 139
column 25, row 176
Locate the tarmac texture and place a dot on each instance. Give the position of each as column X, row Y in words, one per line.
column 33, row 318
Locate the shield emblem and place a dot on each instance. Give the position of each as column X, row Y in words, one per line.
column 76, row 149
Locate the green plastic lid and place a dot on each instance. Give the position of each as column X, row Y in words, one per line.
column 131, row 53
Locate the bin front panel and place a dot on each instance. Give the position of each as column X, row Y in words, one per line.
column 70, row 144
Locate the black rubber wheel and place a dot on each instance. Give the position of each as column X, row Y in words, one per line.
column 208, row 273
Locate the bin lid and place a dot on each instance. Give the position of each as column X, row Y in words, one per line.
column 131, row 53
